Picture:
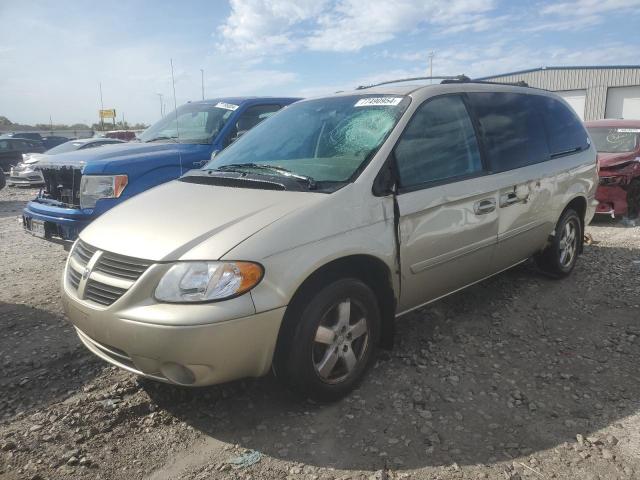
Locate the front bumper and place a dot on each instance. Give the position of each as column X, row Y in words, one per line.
column 60, row 223
column 612, row 200
column 26, row 178
column 169, row 342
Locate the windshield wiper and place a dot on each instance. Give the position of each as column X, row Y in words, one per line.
column 238, row 167
column 174, row 138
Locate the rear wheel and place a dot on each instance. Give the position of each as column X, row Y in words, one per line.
column 559, row 257
column 336, row 335
column 633, row 199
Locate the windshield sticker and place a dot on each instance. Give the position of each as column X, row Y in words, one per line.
column 226, row 106
column 378, row 101
column 628, row 130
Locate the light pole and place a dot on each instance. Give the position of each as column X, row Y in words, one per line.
column 161, row 104
column 431, row 55
column 202, row 81
column 101, row 106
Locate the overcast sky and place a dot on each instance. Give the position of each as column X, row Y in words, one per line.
column 53, row 54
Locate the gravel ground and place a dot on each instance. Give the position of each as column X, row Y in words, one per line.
column 517, row 377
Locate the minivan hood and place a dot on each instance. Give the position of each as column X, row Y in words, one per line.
column 118, row 157
column 186, row 221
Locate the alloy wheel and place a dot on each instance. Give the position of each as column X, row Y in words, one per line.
column 568, row 244
column 341, row 341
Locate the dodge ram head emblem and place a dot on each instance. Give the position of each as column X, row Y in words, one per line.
column 86, row 273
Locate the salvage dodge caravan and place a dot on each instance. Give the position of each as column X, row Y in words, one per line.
column 298, row 246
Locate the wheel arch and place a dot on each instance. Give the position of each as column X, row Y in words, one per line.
column 371, row 270
column 579, row 205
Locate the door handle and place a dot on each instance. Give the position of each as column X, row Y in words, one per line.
column 485, row 206
column 516, row 196
column 509, row 199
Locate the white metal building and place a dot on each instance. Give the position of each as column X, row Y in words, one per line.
column 593, row 92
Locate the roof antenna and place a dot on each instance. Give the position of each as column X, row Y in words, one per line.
column 175, row 109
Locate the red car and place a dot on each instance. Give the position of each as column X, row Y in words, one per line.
column 618, row 146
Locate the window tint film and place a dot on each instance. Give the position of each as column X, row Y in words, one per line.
column 439, row 143
column 512, row 127
column 564, row 128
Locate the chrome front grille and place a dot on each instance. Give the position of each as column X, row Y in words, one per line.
column 121, row 266
column 102, row 277
column 83, row 252
column 102, row 293
column 74, row 278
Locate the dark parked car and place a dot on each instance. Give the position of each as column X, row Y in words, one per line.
column 28, row 135
column 11, row 150
column 48, row 141
column 53, row 141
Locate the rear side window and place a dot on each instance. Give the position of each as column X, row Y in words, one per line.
column 512, row 128
column 564, row 129
column 438, row 144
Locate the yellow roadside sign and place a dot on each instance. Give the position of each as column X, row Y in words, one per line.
column 111, row 113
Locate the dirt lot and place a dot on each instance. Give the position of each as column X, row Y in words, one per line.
column 519, row 377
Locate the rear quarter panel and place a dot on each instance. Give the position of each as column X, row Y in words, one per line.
column 577, row 176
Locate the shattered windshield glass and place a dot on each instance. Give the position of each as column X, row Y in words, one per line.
column 327, row 139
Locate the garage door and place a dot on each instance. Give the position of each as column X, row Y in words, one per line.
column 623, row 102
column 575, row 98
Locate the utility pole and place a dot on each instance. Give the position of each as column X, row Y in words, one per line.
column 101, row 106
column 51, row 124
column 431, row 55
column 202, row 81
column 161, row 105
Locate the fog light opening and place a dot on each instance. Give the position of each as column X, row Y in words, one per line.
column 178, row 373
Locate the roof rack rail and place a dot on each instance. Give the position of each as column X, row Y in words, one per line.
column 487, row 82
column 456, row 78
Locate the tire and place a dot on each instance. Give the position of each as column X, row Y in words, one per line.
column 559, row 257
column 337, row 331
column 633, row 199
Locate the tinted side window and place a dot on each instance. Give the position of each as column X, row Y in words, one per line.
column 564, row 129
column 439, row 143
column 512, row 129
column 20, row 145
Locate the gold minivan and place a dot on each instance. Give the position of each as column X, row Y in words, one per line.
column 298, row 246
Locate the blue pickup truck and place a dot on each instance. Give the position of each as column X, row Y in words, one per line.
column 80, row 186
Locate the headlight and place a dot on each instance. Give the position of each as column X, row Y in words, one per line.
column 22, row 167
column 207, row 281
column 95, row 187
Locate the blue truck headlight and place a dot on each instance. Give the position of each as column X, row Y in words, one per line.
column 95, row 187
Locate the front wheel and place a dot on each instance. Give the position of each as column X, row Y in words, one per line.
column 336, row 335
column 559, row 257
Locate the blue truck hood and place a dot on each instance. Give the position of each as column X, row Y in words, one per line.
column 122, row 158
